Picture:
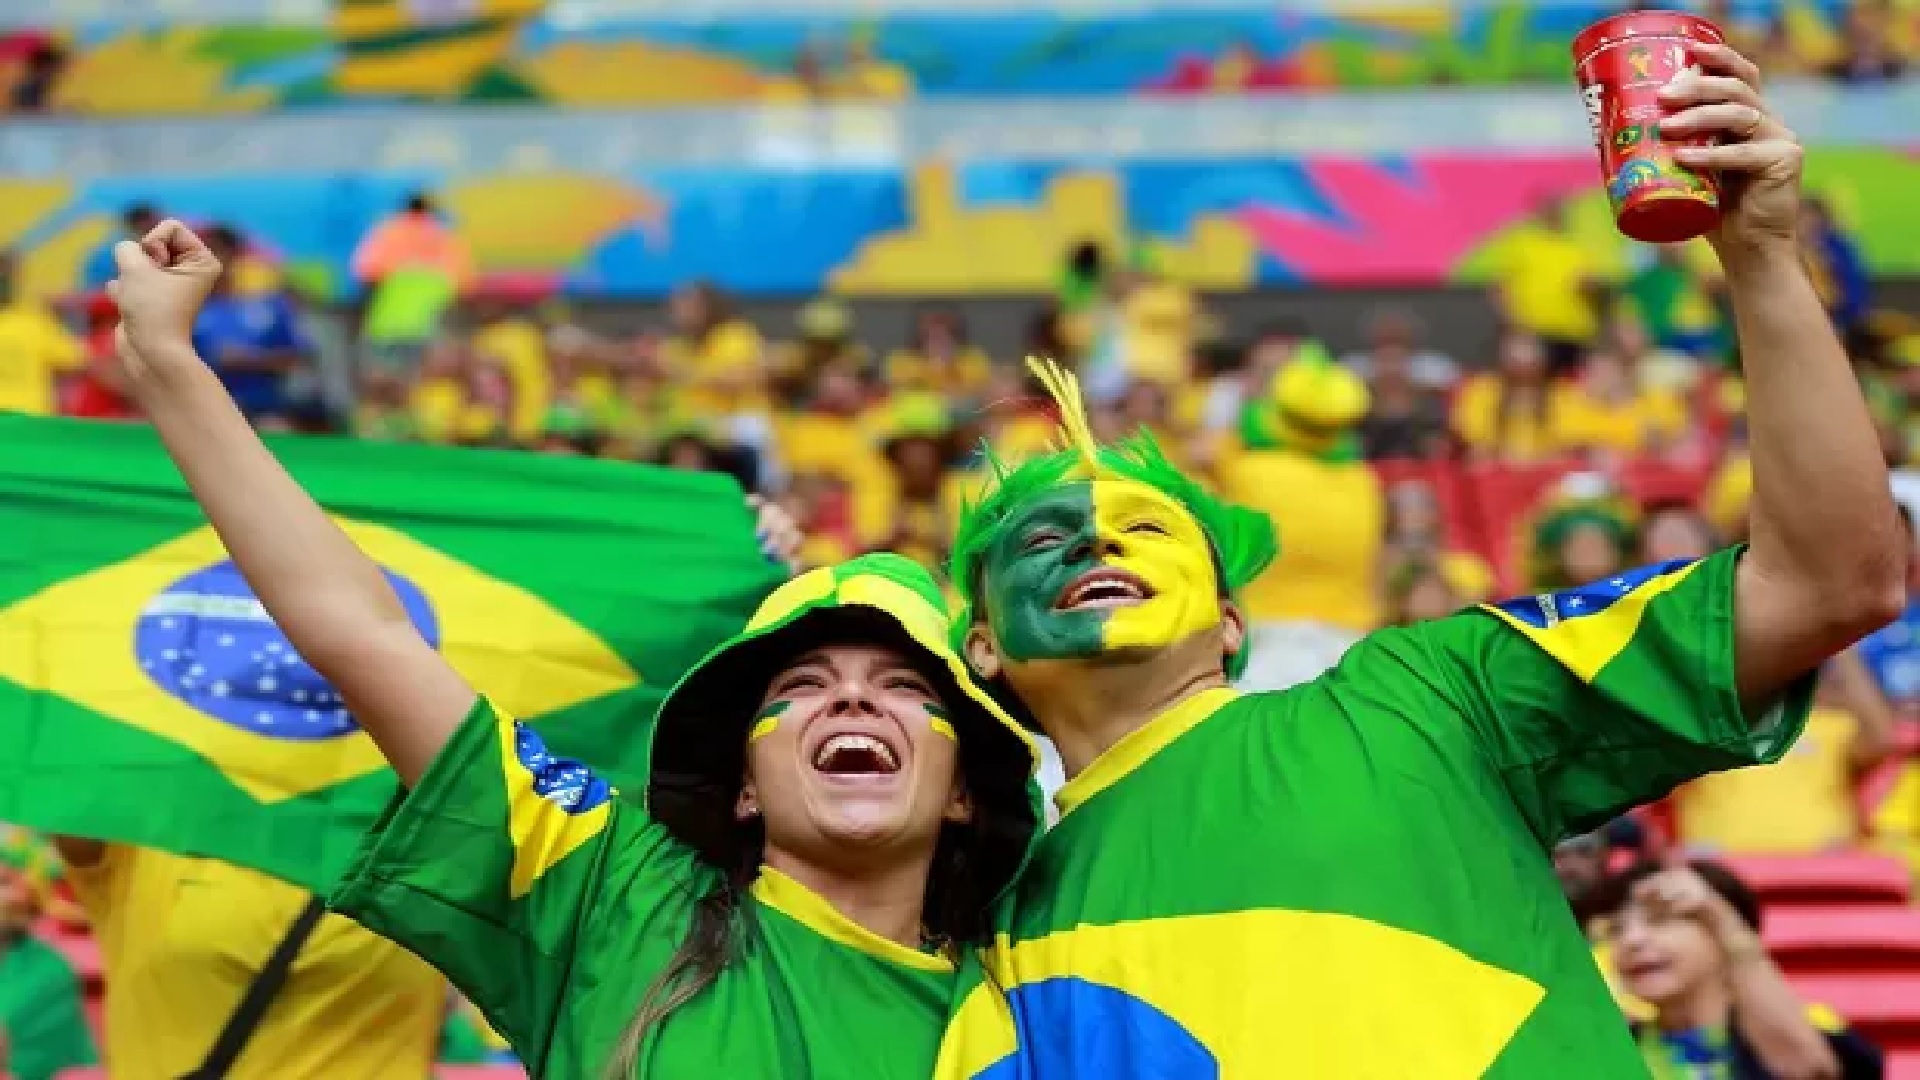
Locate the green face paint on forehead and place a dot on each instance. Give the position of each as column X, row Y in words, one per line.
column 1036, row 555
column 767, row 719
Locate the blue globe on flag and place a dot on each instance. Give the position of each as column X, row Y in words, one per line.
column 207, row 641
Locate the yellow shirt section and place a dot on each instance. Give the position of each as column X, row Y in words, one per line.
column 1541, row 277
column 34, row 348
column 1159, row 318
column 966, row 374
column 721, row 372
column 181, row 939
column 1522, row 435
column 841, row 447
column 520, row 348
column 1650, row 418
column 1802, row 803
column 1330, row 518
column 1896, row 821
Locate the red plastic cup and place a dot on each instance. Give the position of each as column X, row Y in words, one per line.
column 1622, row 62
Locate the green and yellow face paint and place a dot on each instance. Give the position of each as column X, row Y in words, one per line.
column 767, row 719
column 938, row 720
column 1046, row 596
column 1046, row 600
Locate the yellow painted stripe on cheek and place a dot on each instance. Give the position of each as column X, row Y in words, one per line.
column 942, row 727
column 1178, row 565
column 768, row 720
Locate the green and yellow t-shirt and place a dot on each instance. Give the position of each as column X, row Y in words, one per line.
column 1352, row 878
column 552, row 904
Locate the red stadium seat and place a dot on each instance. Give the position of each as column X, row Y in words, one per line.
column 1840, row 878
column 1885, row 1007
column 1848, row 939
column 84, row 954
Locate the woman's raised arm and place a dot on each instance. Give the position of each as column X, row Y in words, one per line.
column 330, row 600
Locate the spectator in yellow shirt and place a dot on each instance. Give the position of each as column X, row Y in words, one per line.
column 181, row 939
column 1606, row 409
column 508, row 335
column 830, row 438
column 1513, row 413
column 918, row 447
column 1804, row 802
column 1548, row 282
column 716, row 355
column 35, row 350
column 939, row 360
column 1319, row 596
column 1159, row 319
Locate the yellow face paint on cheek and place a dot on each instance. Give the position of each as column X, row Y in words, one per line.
column 1162, row 543
column 767, row 719
column 937, row 719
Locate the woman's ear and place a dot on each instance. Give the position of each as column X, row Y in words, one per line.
column 747, row 806
column 959, row 807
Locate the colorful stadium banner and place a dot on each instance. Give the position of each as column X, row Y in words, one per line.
column 979, row 228
column 146, row 697
column 516, row 51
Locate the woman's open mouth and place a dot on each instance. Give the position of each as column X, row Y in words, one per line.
column 1102, row 588
column 852, row 755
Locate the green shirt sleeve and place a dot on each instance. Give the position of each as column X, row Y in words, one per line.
column 1596, row 699
column 492, row 867
column 41, row 1011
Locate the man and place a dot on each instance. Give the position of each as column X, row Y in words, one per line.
column 252, row 342
column 1352, row 878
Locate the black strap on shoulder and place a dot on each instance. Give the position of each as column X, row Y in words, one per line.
column 259, row 996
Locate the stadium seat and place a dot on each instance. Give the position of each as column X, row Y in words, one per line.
column 84, row 954
column 1885, row 1007
column 1839, row 878
column 1844, row 939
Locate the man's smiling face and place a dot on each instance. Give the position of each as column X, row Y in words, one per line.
column 1097, row 567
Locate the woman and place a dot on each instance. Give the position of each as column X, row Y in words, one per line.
column 1686, row 940
column 832, row 802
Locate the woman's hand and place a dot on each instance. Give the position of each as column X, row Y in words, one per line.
column 1757, row 158
column 164, row 279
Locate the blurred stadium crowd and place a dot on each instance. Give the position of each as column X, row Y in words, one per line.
column 1604, row 430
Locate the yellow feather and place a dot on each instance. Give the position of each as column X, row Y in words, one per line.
column 1076, row 433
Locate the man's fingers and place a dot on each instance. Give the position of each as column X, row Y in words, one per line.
column 1734, row 119
column 1747, row 157
column 1728, row 61
column 1691, row 89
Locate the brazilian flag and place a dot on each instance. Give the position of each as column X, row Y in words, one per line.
column 147, row 698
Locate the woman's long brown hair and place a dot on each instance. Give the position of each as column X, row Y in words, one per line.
column 724, row 926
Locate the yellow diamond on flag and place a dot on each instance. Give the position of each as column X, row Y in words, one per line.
column 171, row 642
